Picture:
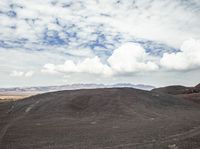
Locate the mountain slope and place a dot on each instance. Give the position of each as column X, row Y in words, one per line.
column 99, row 118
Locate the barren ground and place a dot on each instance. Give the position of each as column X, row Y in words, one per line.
column 100, row 119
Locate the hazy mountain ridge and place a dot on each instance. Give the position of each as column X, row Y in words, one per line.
column 43, row 89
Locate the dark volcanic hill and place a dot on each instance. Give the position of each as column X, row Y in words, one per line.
column 197, row 86
column 114, row 118
column 189, row 93
column 173, row 90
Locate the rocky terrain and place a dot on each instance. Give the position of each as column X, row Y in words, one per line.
column 111, row 118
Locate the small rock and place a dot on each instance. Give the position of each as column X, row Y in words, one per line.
column 93, row 123
column 172, row 146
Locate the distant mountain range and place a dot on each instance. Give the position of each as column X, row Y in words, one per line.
column 42, row 89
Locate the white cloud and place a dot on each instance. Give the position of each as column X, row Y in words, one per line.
column 187, row 58
column 21, row 74
column 29, row 74
column 89, row 65
column 94, row 65
column 128, row 58
column 17, row 73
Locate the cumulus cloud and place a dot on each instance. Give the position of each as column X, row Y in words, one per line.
column 187, row 58
column 21, row 74
column 128, row 58
column 131, row 57
column 88, row 65
column 17, row 73
column 29, row 74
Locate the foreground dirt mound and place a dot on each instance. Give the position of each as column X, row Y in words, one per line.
column 100, row 118
column 189, row 93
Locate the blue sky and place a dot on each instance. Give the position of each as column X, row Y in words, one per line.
column 53, row 42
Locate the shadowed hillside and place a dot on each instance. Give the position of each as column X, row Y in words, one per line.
column 189, row 93
column 100, row 118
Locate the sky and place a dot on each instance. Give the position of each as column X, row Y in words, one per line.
column 54, row 42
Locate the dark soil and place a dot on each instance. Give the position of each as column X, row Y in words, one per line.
column 117, row 118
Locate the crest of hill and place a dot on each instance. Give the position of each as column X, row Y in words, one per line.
column 189, row 93
column 197, row 86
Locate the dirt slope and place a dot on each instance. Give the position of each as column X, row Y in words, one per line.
column 100, row 118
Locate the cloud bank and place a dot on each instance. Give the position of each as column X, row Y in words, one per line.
column 187, row 58
column 21, row 74
column 131, row 58
column 88, row 65
column 128, row 58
